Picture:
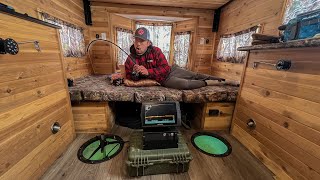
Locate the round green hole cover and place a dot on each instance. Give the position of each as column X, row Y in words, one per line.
column 108, row 150
column 211, row 144
column 92, row 152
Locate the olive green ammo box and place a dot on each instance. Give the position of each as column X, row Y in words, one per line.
column 158, row 161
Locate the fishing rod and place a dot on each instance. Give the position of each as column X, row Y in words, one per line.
column 136, row 74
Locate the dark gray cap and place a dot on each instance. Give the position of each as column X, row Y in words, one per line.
column 142, row 33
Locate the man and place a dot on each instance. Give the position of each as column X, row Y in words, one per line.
column 150, row 63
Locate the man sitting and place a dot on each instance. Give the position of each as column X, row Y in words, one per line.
column 148, row 62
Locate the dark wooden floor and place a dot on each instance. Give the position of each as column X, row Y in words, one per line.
column 239, row 165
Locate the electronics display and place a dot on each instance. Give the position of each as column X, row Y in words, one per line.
column 160, row 114
column 159, row 122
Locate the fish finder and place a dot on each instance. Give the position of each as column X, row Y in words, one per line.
column 159, row 122
column 160, row 114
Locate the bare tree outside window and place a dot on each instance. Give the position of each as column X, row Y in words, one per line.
column 124, row 40
column 227, row 48
column 71, row 36
column 160, row 36
column 295, row 7
column 181, row 49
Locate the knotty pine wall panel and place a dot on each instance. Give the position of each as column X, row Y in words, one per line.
column 33, row 95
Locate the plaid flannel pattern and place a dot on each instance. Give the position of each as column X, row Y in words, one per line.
column 154, row 61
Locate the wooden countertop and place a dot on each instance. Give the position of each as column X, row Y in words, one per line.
column 312, row 42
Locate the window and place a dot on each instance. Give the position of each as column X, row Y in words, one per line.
column 160, row 36
column 124, row 40
column 227, row 49
column 295, row 7
column 71, row 36
column 181, row 49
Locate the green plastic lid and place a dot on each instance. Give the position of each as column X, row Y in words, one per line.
column 97, row 150
column 211, row 144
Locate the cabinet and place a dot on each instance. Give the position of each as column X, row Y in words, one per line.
column 92, row 117
column 277, row 114
column 218, row 115
column 213, row 115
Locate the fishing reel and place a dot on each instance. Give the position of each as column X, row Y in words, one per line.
column 116, row 79
column 135, row 75
column 9, row 46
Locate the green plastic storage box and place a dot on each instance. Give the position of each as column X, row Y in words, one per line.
column 158, row 161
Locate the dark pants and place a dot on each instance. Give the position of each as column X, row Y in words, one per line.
column 183, row 79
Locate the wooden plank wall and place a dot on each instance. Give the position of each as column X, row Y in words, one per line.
column 70, row 11
column 92, row 117
column 33, row 95
column 202, row 54
column 242, row 14
column 285, row 106
column 208, row 4
column 101, row 52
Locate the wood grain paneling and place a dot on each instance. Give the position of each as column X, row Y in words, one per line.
column 201, row 60
column 285, row 107
column 104, row 54
column 92, row 117
column 239, row 15
column 242, row 14
column 33, row 96
column 227, row 70
column 207, row 4
column 152, row 10
column 70, row 11
column 104, row 19
column 101, row 54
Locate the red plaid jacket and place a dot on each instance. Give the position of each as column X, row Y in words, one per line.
column 153, row 60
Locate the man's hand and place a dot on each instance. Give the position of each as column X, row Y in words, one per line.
column 136, row 67
column 141, row 69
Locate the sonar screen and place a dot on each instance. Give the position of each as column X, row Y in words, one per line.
column 160, row 114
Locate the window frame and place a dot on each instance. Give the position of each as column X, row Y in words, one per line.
column 82, row 52
column 254, row 29
column 284, row 12
column 157, row 23
column 188, row 64
column 116, row 41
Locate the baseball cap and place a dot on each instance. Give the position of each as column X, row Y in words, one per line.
column 142, row 33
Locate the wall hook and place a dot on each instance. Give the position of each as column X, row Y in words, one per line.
column 35, row 42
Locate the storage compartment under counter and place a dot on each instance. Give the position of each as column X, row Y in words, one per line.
column 92, row 117
column 218, row 116
column 213, row 116
column 277, row 113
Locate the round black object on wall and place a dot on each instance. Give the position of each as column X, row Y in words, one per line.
column 100, row 148
column 211, row 144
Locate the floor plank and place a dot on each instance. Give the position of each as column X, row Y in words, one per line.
column 240, row 164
